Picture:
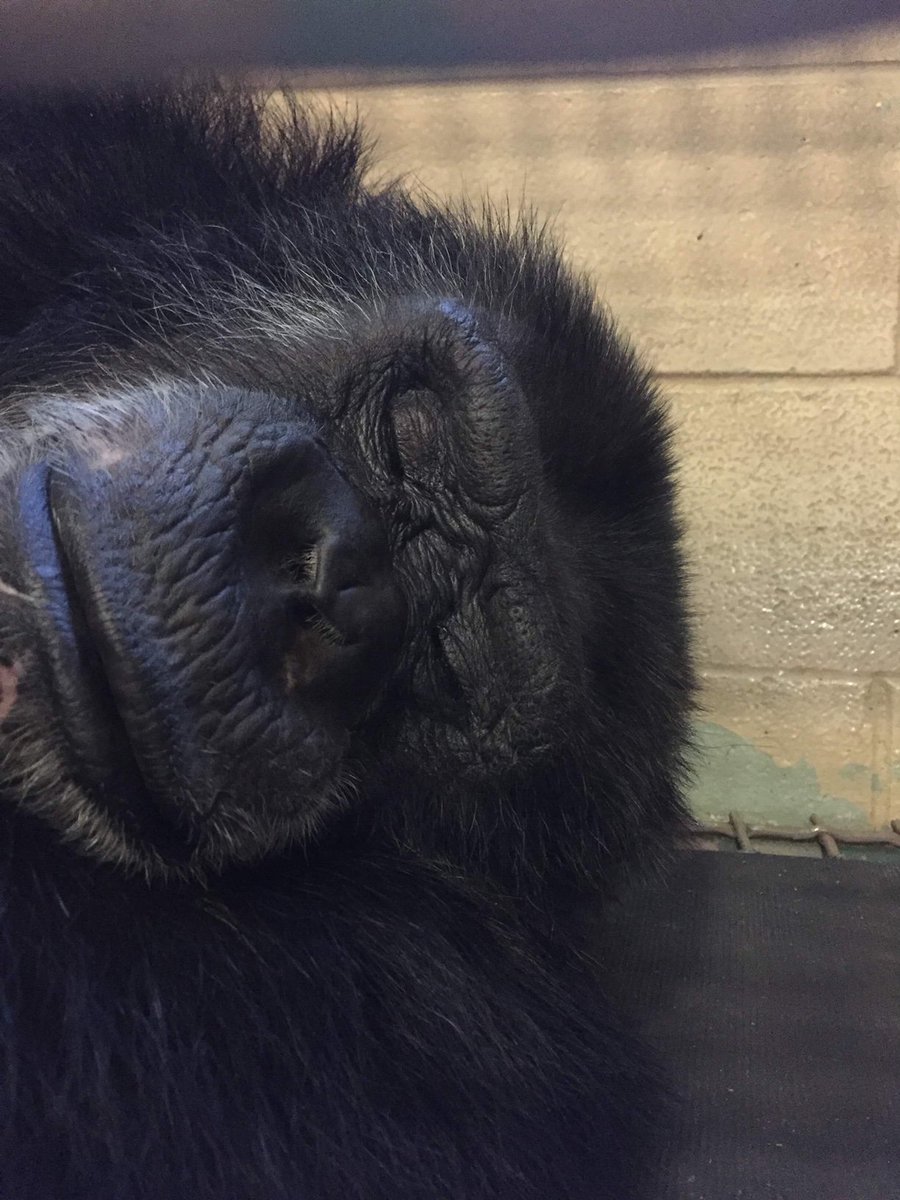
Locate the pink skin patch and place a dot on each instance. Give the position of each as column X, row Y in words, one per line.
column 9, row 686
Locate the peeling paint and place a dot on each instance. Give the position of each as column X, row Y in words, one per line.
column 734, row 774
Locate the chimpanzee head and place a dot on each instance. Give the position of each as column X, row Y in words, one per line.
column 312, row 500
column 221, row 607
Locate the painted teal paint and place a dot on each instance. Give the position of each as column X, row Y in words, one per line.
column 733, row 774
column 854, row 771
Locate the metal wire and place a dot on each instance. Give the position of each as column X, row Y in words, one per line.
column 828, row 840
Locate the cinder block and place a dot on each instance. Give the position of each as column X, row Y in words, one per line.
column 791, row 496
column 735, row 223
column 781, row 748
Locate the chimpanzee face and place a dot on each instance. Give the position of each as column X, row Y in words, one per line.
column 224, row 609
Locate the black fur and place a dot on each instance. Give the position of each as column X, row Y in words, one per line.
column 373, row 1011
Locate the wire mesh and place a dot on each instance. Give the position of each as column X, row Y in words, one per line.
column 747, row 836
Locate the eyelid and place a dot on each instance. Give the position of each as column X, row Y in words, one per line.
column 415, row 420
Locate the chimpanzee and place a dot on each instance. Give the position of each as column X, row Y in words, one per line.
column 342, row 642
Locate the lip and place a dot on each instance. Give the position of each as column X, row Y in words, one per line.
column 97, row 744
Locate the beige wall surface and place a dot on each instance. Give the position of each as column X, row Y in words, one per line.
column 741, row 220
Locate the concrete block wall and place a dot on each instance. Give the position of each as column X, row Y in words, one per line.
column 740, row 216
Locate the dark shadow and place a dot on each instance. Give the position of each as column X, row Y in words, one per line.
column 769, row 988
column 54, row 39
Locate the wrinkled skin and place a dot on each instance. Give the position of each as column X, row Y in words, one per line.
column 340, row 608
column 176, row 560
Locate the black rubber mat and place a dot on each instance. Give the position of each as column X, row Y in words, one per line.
column 770, row 987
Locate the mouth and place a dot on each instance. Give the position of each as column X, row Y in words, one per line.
column 96, row 741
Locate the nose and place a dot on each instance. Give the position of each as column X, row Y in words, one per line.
column 320, row 558
column 221, row 588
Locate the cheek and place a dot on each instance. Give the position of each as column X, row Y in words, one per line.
column 10, row 673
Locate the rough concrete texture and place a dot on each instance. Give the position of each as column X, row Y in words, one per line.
column 743, row 226
column 734, row 223
column 791, row 489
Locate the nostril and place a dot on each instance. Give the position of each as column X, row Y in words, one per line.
column 326, row 631
column 305, row 615
column 300, row 611
column 299, row 567
column 308, row 619
column 317, row 555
